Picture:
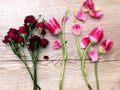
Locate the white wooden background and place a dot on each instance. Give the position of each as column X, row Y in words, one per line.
column 13, row 74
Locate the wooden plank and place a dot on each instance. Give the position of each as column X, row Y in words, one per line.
column 13, row 75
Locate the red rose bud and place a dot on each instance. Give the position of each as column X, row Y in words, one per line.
column 85, row 41
column 76, row 29
column 41, row 25
column 106, row 46
column 44, row 42
column 96, row 34
column 23, row 30
column 87, row 5
column 30, row 20
column 19, row 39
column 41, row 28
column 6, row 39
column 53, row 26
column 34, row 43
column 12, row 34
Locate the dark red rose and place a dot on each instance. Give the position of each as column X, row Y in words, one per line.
column 6, row 39
column 23, row 30
column 34, row 43
column 30, row 20
column 41, row 28
column 13, row 35
column 40, row 25
column 44, row 42
column 19, row 39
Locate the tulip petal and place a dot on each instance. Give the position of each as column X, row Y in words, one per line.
column 93, row 55
column 106, row 46
column 96, row 34
column 85, row 41
column 64, row 19
column 80, row 15
column 96, row 13
column 53, row 26
column 87, row 5
column 57, row 44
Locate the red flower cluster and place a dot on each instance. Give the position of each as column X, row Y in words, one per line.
column 13, row 35
column 30, row 20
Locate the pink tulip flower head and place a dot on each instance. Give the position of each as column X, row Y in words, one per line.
column 106, row 46
column 96, row 34
column 53, row 26
column 85, row 41
column 76, row 28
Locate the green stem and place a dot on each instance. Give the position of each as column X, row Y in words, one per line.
column 78, row 47
column 96, row 75
column 35, row 76
column 62, row 39
column 35, row 73
column 83, row 66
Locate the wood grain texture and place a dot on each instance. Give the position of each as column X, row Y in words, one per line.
column 14, row 76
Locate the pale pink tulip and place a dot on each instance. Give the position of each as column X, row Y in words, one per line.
column 76, row 29
column 93, row 55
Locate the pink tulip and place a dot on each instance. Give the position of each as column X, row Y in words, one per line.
column 80, row 15
column 53, row 26
column 76, row 29
column 96, row 35
column 93, row 55
column 85, row 41
column 106, row 45
column 64, row 19
column 57, row 44
column 96, row 12
column 87, row 5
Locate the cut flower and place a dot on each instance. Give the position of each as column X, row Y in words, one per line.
column 96, row 34
column 85, row 41
column 76, row 29
column 53, row 26
column 106, row 46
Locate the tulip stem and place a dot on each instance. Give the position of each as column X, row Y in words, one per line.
column 62, row 39
column 78, row 46
column 83, row 66
column 96, row 75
